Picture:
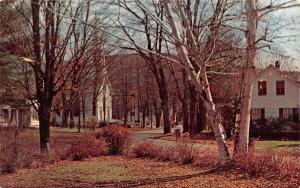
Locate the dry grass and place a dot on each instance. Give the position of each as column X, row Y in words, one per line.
column 129, row 172
column 273, row 165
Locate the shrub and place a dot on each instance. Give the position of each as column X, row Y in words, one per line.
column 15, row 153
column 181, row 153
column 118, row 138
column 168, row 154
column 185, row 150
column 269, row 165
column 85, row 147
column 8, row 157
column 146, row 150
column 256, row 164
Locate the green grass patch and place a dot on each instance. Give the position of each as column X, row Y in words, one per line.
column 278, row 145
column 275, row 145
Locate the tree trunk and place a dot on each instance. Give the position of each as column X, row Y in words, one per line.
column 202, row 85
column 125, row 113
column 65, row 117
column 83, row 110
column 44, row 128
column 201, row 116
column 65, row 112
column 158, row 113
column 166, row 115
column 184, row 103
column 185, row 116
column 94, row 104
column 249, row 76
column 193, row 110
column 79, row 118
column 71, row 120
column 164, row 96
column 144, row 116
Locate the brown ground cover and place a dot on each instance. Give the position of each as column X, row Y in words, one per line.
column 120, row 171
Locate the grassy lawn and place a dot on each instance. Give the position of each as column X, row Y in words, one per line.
column 259, row 145
column 128, row 172
column 278, row 145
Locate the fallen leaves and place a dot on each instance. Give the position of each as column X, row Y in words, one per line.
column 117, row 171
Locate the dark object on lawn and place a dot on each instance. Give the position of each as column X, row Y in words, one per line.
column 178, row 132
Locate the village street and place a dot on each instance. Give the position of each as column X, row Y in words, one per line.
column 149, row 135
column 152, row 135
column 138, row 93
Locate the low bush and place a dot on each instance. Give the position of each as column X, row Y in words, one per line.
column 169, row 154
column 15, row 152
column 269, row 165
column 8, row 157
column 185, row 150
column 118, row 138
column 147, row 150
column 85, row 147
column 182, row 153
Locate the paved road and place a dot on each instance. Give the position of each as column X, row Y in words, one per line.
column 148, row 135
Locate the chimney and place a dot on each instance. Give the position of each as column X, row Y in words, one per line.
column 277, row 65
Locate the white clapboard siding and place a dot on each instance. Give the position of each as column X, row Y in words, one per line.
column 272, row 102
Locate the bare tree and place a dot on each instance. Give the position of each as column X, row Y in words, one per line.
column 191, row 68
column 152, row 33
column 48, row 54
column 254, row 14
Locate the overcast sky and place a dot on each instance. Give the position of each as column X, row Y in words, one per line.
column 291, row 45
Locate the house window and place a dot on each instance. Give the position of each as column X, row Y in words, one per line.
column 257, row 113
column 280, row 87
column 262, row 88
column 295, row 115
column 285, row 113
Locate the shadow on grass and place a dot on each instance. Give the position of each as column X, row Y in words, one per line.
column 149, row 181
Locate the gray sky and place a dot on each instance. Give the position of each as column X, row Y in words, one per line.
column 291, row 45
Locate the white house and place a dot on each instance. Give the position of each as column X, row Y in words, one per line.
column 276, row 94
column 103, row 106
